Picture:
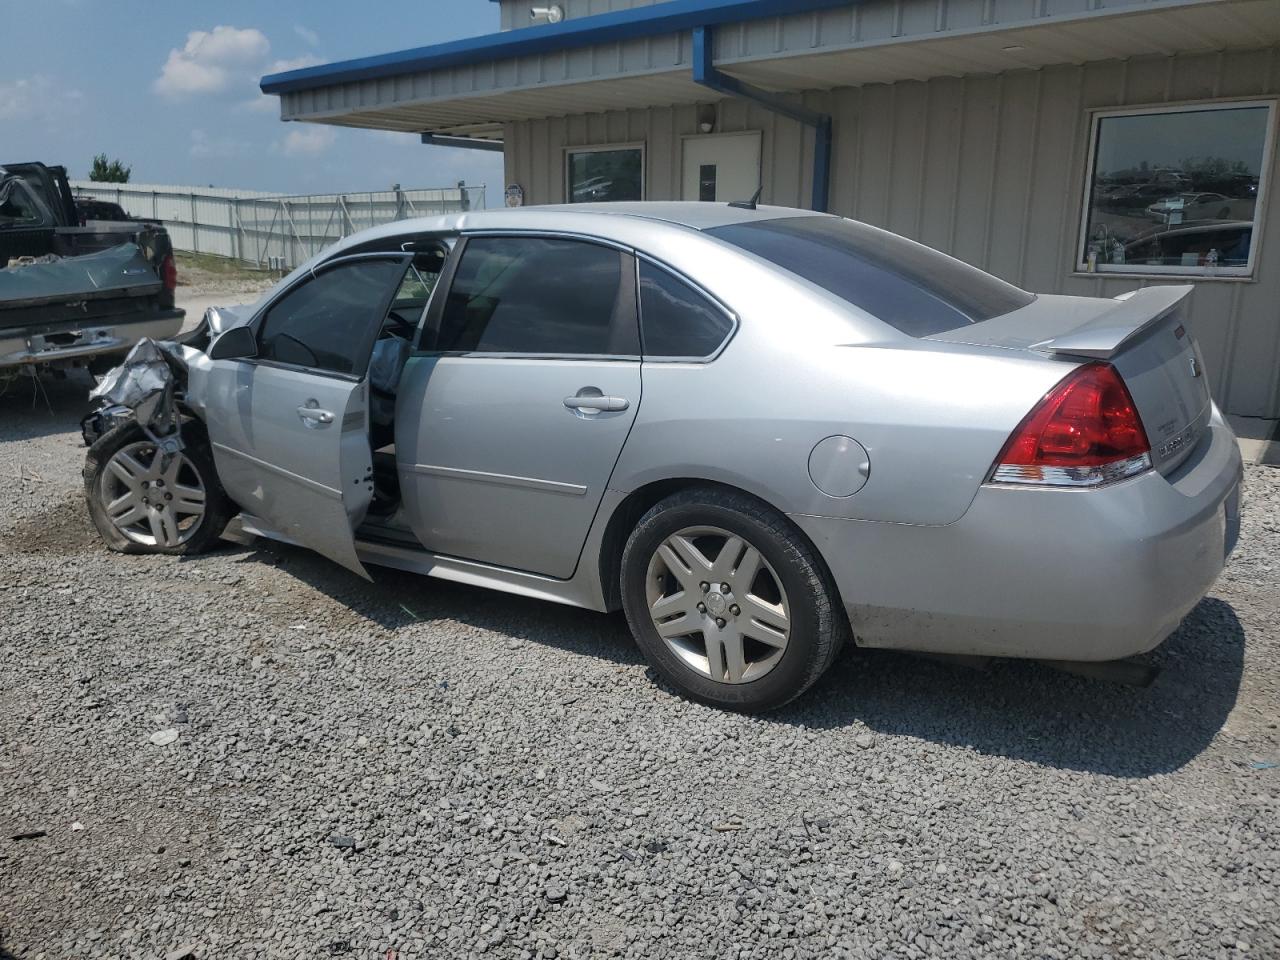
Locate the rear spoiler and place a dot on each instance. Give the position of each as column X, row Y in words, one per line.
column 1133, row 314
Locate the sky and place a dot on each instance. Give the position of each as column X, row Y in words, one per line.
column 170, row 87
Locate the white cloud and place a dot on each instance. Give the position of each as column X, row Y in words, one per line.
column 36, row 96
column 309, row 36
column 396, row 137
column 211, row 61
column 260, row 104
column 294, row 63
column 205, row 147
column 307, row 141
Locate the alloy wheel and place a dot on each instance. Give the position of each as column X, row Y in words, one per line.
column 153, row 498
column 717, row 604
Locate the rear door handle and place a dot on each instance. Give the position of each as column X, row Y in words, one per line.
column 315, row 414
column 611, row 404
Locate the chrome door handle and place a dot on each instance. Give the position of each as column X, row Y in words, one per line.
column 315, row 414
column 611, row 404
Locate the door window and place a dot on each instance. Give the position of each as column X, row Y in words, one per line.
column 329, row 322
column 675, row 319
column 540, row 295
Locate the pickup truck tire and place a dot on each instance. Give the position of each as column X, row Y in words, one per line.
column 142, row 503
column 728, row 601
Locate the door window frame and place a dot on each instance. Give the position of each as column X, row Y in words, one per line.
column 1248, row 272
column 259, row 318
column 628, row 278
column 696, row 288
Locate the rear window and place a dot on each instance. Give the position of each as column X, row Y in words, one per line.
column 912, row 288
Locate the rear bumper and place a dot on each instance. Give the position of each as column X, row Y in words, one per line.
column 87, row 339
column 1054, row 574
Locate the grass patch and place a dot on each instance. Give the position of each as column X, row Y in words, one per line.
column 210, row 263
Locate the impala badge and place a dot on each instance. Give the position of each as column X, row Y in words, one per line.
column 1195, row 367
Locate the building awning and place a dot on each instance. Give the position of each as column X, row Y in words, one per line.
column 642, row 57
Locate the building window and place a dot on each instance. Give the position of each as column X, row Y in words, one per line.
column 1176, row 190
column 598, row 174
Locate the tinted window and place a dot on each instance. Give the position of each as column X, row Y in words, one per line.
column 1175, row 190
column 541, row 296
column 913, row 288
column 329, row 322
column 606, row 175
column 675, row 319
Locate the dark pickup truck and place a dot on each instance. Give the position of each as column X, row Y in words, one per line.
column 72, row 294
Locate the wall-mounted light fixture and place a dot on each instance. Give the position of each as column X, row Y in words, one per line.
column 551, row 14
column 706, row 117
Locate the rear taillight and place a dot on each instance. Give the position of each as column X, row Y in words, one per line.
column 169, row 272
column 1085, row 432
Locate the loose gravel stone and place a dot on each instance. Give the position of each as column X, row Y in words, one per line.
column 514, row 785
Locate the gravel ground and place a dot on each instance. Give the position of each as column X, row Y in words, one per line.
column 417, row 769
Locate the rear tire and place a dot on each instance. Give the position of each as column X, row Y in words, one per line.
column 142, row 504
column 728, row 602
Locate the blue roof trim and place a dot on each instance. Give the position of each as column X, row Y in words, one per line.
column 670, row 17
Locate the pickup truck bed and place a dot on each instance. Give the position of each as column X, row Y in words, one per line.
column 70, row 292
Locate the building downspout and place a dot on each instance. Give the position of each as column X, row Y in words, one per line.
column 706, row 74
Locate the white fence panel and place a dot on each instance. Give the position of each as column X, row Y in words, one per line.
column 272, row 229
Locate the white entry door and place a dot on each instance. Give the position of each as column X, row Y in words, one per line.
column 721, row 167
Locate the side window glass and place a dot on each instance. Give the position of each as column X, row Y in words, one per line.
column 540, row 295
column 676, row 320
column 329, row 322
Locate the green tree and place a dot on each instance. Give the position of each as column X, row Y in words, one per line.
column 104, row 171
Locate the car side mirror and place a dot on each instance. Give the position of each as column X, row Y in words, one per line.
column 238, row 343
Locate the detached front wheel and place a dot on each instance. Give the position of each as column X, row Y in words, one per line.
column 143, row 500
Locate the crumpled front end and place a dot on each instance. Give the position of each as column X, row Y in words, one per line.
column 145, row 388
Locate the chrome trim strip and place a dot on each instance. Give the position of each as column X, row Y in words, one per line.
column 481, row 476
column 313, row 485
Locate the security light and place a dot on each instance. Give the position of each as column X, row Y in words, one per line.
column 551, row 14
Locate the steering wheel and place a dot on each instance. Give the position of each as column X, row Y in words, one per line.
column 397, row 325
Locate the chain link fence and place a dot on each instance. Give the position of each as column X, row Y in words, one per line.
column 271, row 230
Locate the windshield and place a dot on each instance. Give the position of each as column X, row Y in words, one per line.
column 911, row 287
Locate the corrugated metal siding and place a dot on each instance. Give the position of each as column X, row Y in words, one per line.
column 515, row 13
column 988, row 168
column 779, row 51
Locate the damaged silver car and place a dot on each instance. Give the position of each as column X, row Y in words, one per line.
column 760, row 432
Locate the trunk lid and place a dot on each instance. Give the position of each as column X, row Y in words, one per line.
column 1143, row 334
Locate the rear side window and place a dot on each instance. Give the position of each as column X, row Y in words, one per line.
column 911, row 287
column 675, row 319
column 329, row 322
column 541, row 296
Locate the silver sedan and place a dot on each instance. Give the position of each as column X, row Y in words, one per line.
column 760, row 432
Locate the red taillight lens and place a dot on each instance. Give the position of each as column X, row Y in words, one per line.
column 1085, row 432
column 169, row 272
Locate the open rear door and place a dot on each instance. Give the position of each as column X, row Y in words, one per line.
column 290, row 426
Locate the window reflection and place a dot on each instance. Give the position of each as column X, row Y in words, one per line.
column 1176, row 191
column 606, row 175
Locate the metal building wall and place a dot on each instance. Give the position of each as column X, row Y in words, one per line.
column 988, row 168
column 515, row 13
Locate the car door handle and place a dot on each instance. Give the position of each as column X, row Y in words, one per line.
column 611, row 404
column 316, row 414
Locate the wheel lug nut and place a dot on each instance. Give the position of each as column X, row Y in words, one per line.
column 735, row 609
column 724, row 588
column 720, row 622
column 145, row 485
column 702, row 608
column 706, row 587
column 169, row 496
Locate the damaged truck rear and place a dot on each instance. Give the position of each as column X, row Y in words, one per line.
column 76, row 294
